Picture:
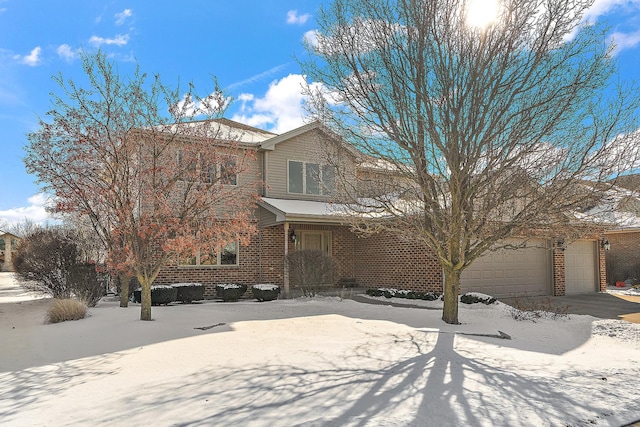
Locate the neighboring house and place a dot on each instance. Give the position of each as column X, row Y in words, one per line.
column 296, row 212
column 623, row 258
column 8, row 245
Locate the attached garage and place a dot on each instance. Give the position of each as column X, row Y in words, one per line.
column 506, row 273
column 581, row 272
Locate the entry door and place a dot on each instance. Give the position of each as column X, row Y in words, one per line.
column 317, row 240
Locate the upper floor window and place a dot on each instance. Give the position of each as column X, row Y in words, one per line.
column 207, row 170
column 311, row 178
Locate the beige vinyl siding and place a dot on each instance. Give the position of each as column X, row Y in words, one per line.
column 310, row 147
column 265, row 218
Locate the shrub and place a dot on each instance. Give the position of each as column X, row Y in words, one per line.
column 189, row 292
column 527, row 308
column 312, row 271
column 472, row 298
column 265, row 292
column 400, row 293
column 160, row 295
column 230, row 291
column 86, row 284
column 44, row 258
column 62, row 310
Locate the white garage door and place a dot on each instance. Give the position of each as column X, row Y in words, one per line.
column 580, row 272
column 510, row 272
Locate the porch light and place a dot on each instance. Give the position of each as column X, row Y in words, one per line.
column 292, row 235
column 604, row 244
column 561, row 244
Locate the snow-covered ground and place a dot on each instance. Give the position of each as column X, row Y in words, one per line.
column 314, row 362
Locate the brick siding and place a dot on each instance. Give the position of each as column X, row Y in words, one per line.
column 385, row 260
column 623, row 259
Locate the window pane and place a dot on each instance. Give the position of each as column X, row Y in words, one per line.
column 295, row 177
column 313, row 178
column 188, row 259
column 208, row 258
column 328, row 179
column 228, row 171
column 229, row 255
column 187, row 163
column 207, row 171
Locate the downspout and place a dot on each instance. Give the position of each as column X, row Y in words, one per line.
column 285, row 278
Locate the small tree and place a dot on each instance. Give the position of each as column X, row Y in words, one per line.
column 126, row 153
column 489, row 131
column 312, row 270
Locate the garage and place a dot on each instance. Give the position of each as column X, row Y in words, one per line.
column 580, row 265
column 506, row 273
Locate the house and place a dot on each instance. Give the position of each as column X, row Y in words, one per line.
column 296, row 212
column 8, row 244
column 623, row 258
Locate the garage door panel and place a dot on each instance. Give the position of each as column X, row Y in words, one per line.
column 510, row 272
column 580, row 267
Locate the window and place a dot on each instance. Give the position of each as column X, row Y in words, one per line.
column 224, row 170
column 311, row 178
column 315, row 239
column 222, row 256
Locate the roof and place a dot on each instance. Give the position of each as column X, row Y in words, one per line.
column 225, row 129
column 303, row 210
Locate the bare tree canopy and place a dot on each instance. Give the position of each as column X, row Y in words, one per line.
column 125, row 152
column 491, row 131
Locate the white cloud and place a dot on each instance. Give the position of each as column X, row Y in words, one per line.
column 32, row 59
column 280, row 110
column 122, row 16
column 626, row 40
column 119, row 40
column 294, row 18
column 65, row 52
column 35, row 212
column 602, row 7
column 311, row 38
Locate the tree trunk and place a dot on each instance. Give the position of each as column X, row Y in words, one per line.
column 451, row 293
column 145, row 307
column 124, row 289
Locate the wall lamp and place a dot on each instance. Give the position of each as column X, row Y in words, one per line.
column 604, row 244
column 561, row 244
column 292, row 235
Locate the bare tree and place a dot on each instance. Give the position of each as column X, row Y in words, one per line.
column 488, row 131
column 126, row 153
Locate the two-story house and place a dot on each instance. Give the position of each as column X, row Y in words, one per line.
column 297, row 210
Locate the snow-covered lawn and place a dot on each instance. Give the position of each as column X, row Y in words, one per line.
column 314, row 362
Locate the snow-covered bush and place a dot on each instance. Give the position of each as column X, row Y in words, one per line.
column 265, row 292
column 474, row 298
column 230, row 291
column 402, row 293
column 189, row 292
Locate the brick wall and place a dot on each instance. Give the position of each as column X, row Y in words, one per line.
column 623, row 259
column 259, row 262
column 385, row 260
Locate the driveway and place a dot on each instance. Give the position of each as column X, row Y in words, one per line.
column 601, row 305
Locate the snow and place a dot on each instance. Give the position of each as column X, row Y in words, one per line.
column 314, row 362
column 266, row 287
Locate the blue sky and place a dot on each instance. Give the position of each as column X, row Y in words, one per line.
column 249, row 45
